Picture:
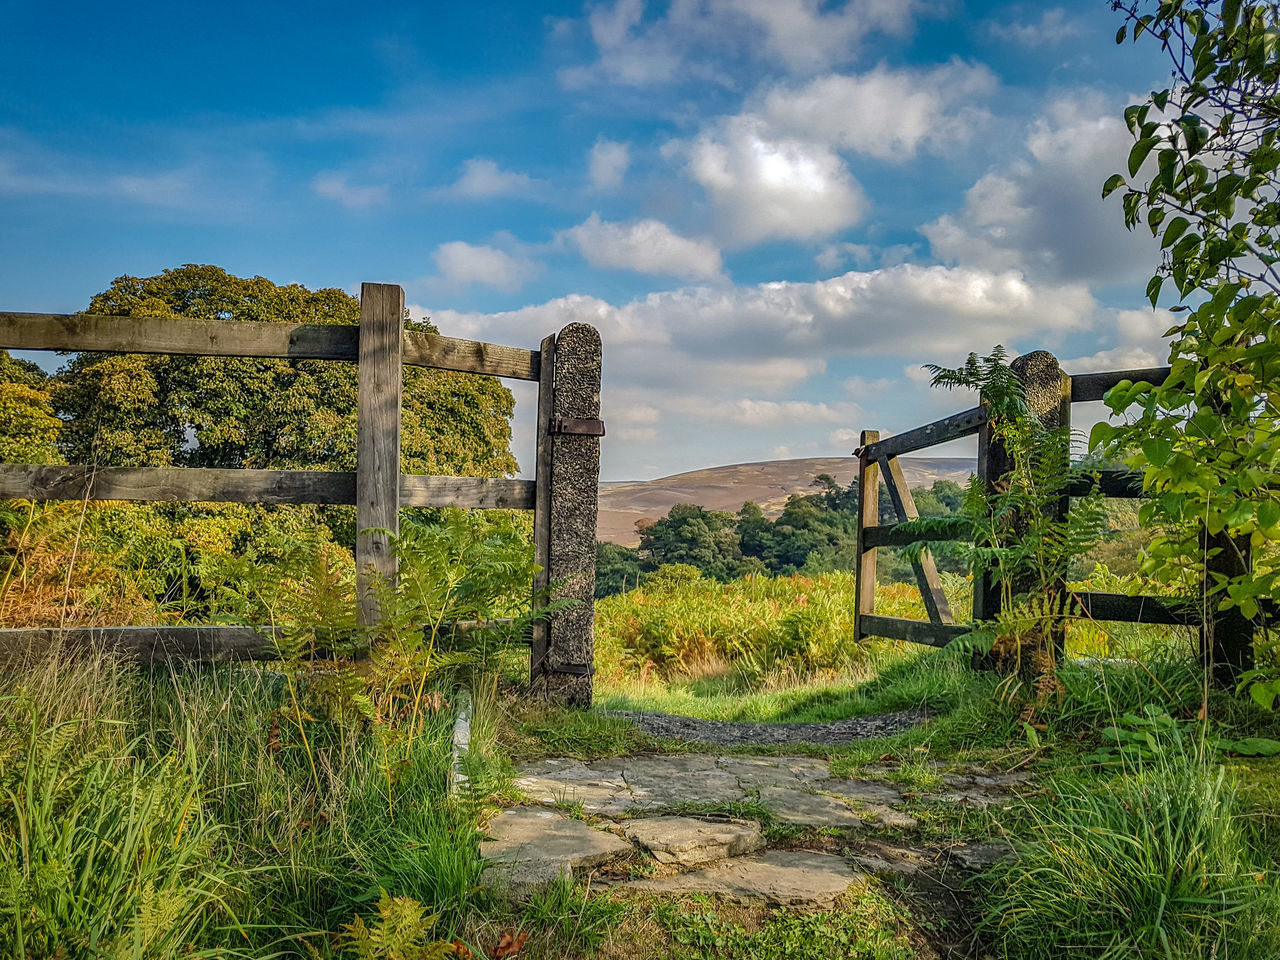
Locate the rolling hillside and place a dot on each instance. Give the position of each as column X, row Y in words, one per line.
column 768, row 483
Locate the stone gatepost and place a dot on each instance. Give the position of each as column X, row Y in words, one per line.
column 568, row 478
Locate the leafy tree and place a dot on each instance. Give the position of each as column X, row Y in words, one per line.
column 617, row 569
column 28, row 428
column 688, row 534
column 283, row 414
column 1206, row 438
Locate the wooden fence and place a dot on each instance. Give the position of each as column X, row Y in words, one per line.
column 562, row 494
column 1225, row 641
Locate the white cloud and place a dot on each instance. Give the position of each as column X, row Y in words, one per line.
column 608, row 163
column 1044, row 213
column 764, row 186
column 886, row 113
column 646, row 246
column 334, row 186
column 1052, row 27
column 844, row 436
column 462, row 264
column 698, row 40
column 713, row 369
column 482, row 178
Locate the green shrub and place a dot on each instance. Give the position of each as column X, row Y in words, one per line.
column 1152, row 864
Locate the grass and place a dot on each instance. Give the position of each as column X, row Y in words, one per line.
column 1150, row 864
column 179, row 812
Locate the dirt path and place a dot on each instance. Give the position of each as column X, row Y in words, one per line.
column 734, row 733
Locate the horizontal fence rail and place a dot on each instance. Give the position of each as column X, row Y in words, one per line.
column 91, row 333
column 210, row 485
column 1093, row 386
column 165, row 642
column 954, row 427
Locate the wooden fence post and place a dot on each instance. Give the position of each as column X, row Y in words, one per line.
column 868, row 516
column 563, row 672
column 1226, row 636
column 378, row 439
column 542, row 503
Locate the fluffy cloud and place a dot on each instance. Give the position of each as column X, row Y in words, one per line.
column 334, row 186
column 889, row 114
column 700, row 39
column 646, row 246
column 1052, row 27
column 1044, row 213
column 767, row 186
column 733, row 360
column 461, row 264
column 608, row 163
column 481, row 179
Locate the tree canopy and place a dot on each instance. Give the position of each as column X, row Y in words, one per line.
column 136, row 410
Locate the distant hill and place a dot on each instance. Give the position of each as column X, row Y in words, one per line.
column 768, row 483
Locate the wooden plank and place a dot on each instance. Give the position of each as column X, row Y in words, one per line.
column 940, row 431
column 165, row 642
column 935, row 600
column 176, row 335
column 378, row 439
column 542, row 502
column 893, row 536
column 913, row 631
column 992, row 463
column 868, row 519
column 1093, row 386
column 472, row 492
column 1111, row 483
column 169, row 484
column 1126, row 609
column 470, row 356
column 153, row 644
column 20, row 481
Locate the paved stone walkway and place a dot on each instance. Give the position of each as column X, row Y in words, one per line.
column 650, row 823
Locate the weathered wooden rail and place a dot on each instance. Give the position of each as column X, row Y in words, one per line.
column 1050, row 394
column 562, row 495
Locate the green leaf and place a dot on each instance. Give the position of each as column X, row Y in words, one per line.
column 1153, row 289
column 1120, row 34
column 1139, row 153
column 1176, row 228
column 1254, row 747
column 1268, row 514
column 1114, row 183
column 1157, row 451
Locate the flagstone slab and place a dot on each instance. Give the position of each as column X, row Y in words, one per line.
column 533, row 834
column 689, row 842
column 779, row 878
column 808, row 809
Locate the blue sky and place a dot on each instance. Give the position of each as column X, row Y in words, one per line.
column 774, row 210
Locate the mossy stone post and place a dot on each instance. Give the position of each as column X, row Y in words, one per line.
column 564, row 650
column 1047, row 391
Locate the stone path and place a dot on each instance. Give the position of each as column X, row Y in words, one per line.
column 659, row 824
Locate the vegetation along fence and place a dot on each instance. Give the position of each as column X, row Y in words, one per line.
column 562, row 494
column 1226, row 636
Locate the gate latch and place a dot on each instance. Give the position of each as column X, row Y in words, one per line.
column 578, row 426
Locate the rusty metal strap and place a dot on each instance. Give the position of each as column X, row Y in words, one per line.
column 572, row 669
column 579, row 426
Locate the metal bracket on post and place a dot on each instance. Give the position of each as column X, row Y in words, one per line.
column 576, row 426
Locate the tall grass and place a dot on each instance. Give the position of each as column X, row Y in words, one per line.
column 156, row 813
column 1152, row 864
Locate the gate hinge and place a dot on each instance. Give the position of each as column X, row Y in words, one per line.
column 579, row 426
